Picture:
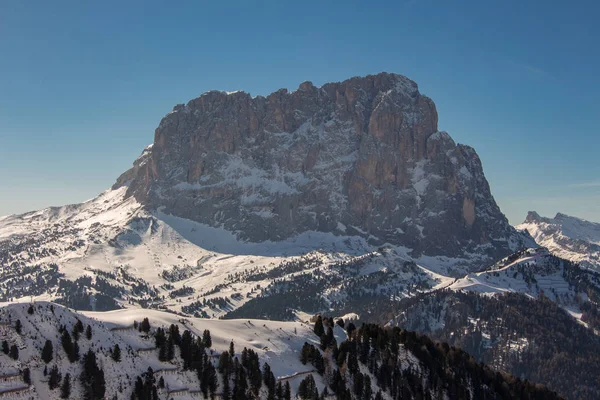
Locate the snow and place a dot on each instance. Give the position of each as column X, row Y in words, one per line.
column 278, row 343
column 571, row 238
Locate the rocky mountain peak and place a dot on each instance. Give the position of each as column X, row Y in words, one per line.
column 358, row 157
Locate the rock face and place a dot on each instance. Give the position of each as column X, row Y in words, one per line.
column 567, row 237
column 361, row 157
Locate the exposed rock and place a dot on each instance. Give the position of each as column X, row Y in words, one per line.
column 363, row 156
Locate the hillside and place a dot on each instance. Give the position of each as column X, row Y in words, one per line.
column 295, row 354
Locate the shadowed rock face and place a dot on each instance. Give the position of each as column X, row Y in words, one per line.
column 363, row 156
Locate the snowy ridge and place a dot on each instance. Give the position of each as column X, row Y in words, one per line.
column 571, row 238
column 532, row 272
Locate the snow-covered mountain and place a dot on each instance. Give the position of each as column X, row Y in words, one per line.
column 363, row 157
column 571, row 238
column 347, row 188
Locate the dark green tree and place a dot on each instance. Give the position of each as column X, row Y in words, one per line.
column 319, row 329
column 65, row 389
column 116, row 353
column 54, row 377
column 206, row 339
column 145, row 325
column 14, row 352
column 92, row 378
column 48, row 351
column 27, row 376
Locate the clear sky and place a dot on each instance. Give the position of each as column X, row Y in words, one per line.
column 83, row 84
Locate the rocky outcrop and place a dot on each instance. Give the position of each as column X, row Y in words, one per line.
column 361, row 157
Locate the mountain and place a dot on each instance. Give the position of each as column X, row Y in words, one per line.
column 347, row 188
column 361, row 157
column 568, row 237
column 194, row 358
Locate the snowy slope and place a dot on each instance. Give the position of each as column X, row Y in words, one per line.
column 111, row 252
column 567, row 237
column 532, row 272
column 277, row 343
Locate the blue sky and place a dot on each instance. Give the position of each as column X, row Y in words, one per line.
column 83, row 85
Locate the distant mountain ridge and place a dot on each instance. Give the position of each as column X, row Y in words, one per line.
column 571, row 238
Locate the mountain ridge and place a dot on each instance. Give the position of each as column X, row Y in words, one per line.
column 569, row 237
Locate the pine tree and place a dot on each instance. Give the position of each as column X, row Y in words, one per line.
column 226, row 389
column 116, row 353
column 206, row 339
column 18, row 326
column 14, row 352
column 92, row 378
column 65, row 389
column 145, row 325
column 231, row 349
column 5, row 347
column 88, row 332
column 54, row 378
column 224, row 361
column 30, row 309
column 47, row 352
column 319, row 329
column 287, row 392
column 27, row 376
column 75, row 351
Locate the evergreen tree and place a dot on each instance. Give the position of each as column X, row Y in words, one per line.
column 75, row 351
column 47, row 352
column 18, row 326
column 92, row 378
column 5, row 347
column 319, row 329
column 27, row 376
column 88, row 332
column 14, row 352
column 287, row 391
column 116, row 353
column 231, row 349
column 78, row 326
column 30, row 309
column 67, row 345
column 224, row 363
column 206, row 339
column 351, row 328
column 209, row 382
column 65, row 389
column 145, row 325
column 308, row 388
column 54, row 377
column 226, row 389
